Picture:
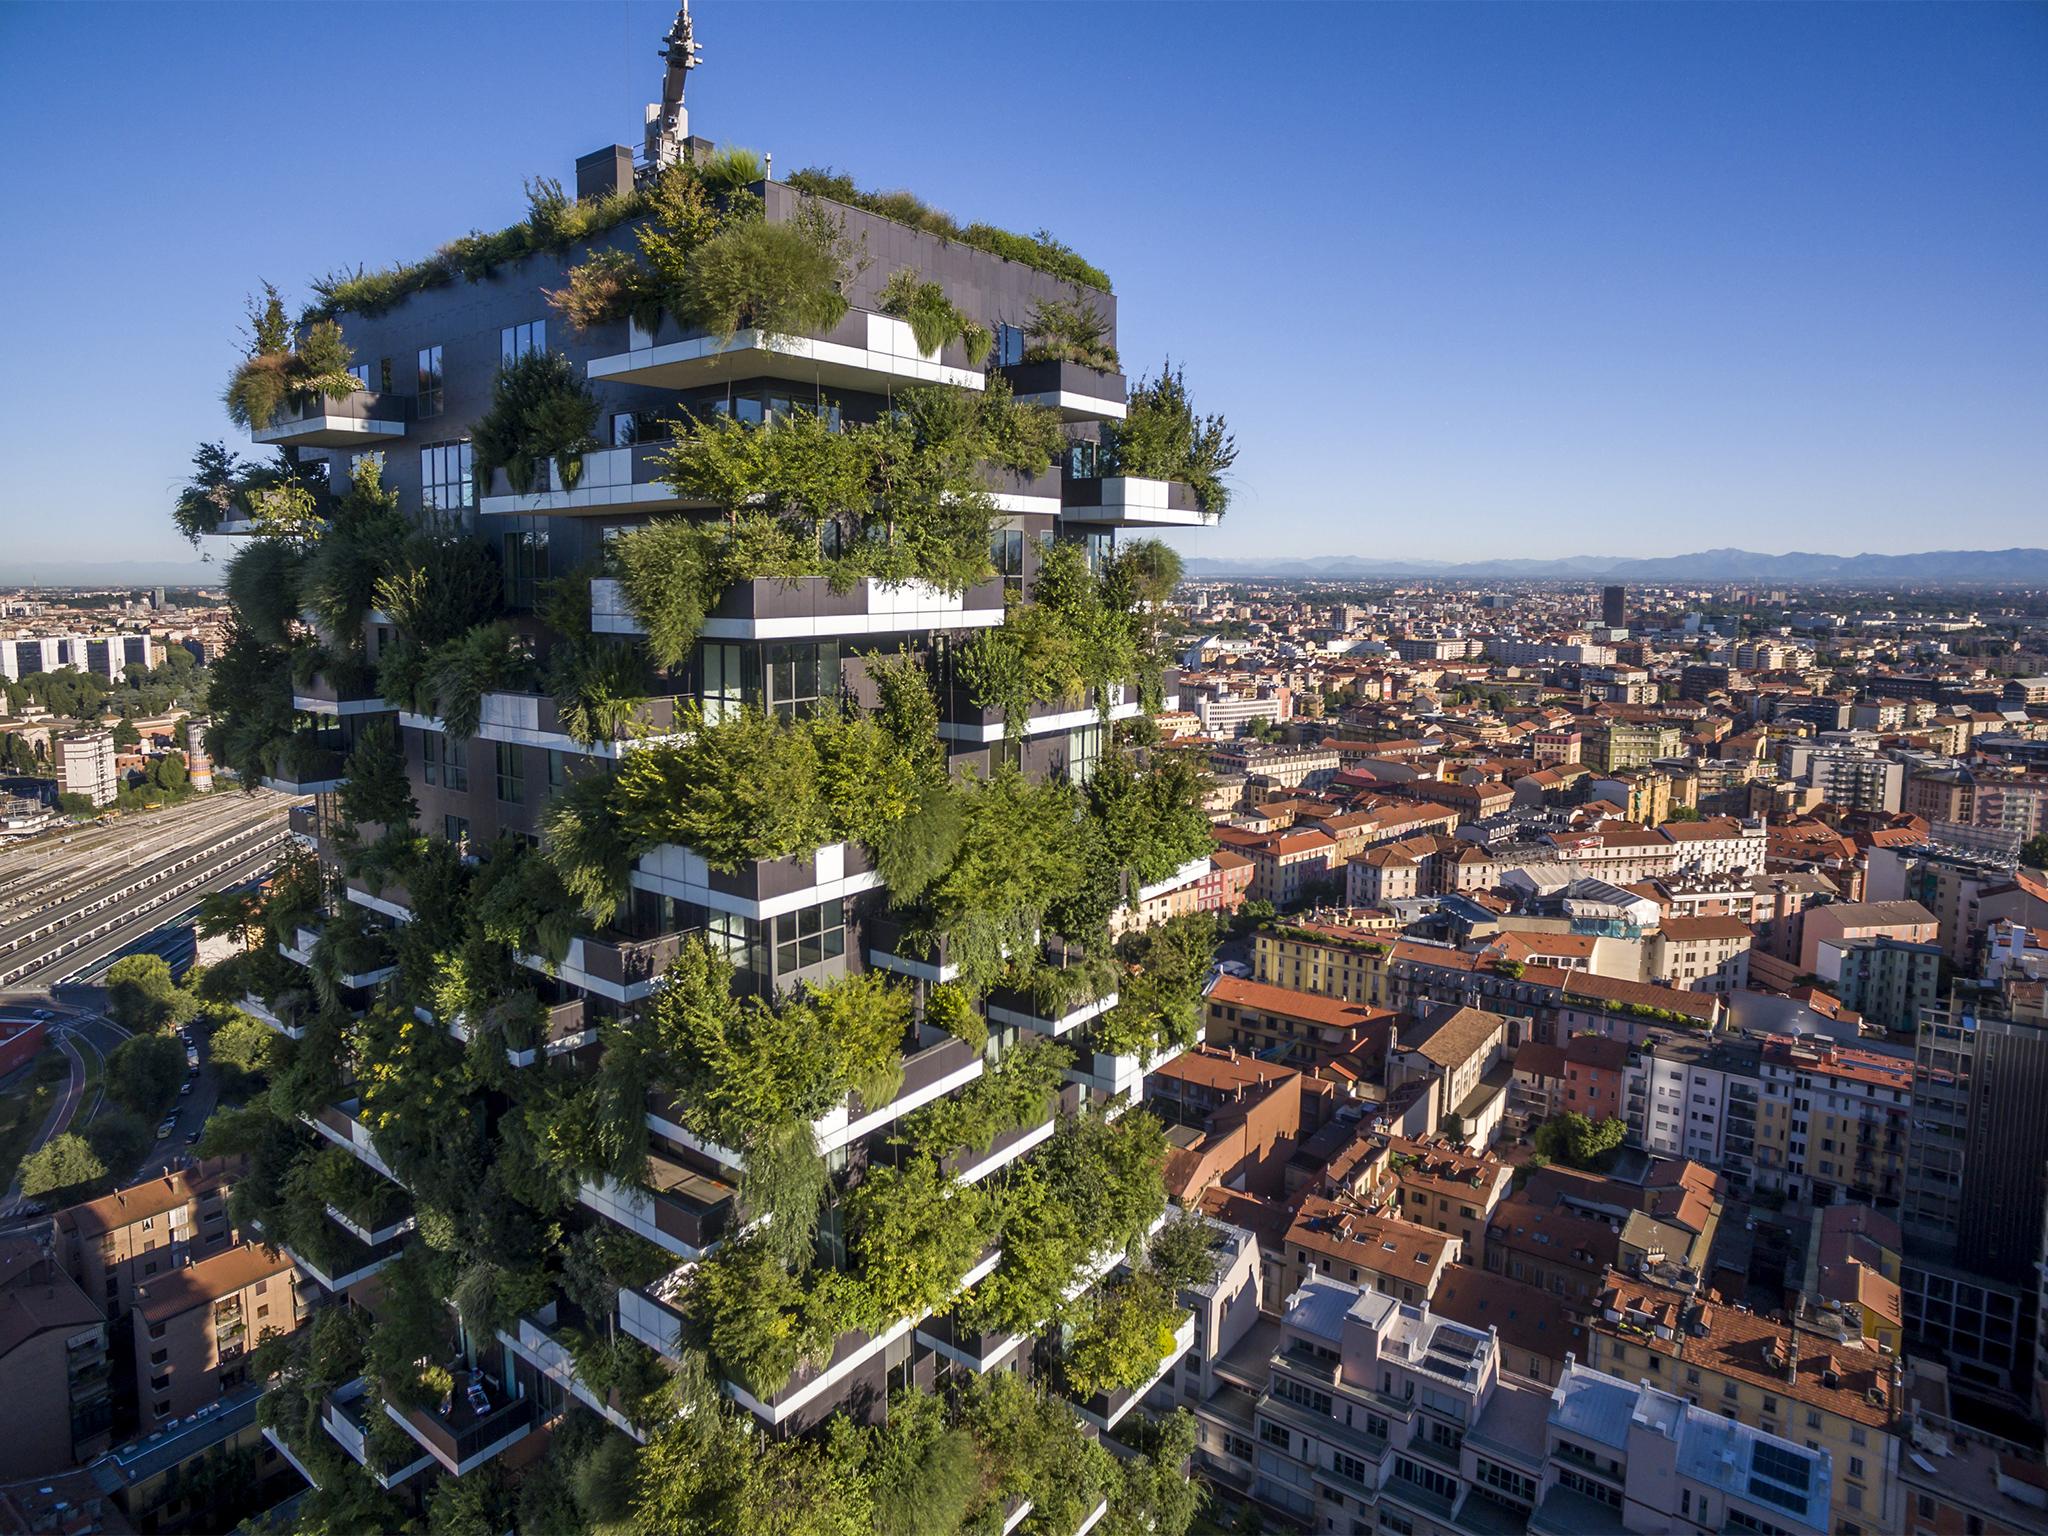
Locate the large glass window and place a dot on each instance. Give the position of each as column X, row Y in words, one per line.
column 451, row 757
column 447, row 478
column 429, row 403
column 800, row 676
column 721, row 684
column 1009, row 347
column 511, row 774
column 1084, row 751
column 1006, row 554
column 809, row 937
column 526, row 567
column 515, row 341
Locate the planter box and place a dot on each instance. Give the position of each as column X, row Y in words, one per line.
column 807, row 608
column 366, row 419
column 1105, row 1409
column 1131, row 501
column 864, row 351
column 762, row 888
column 1076, row 392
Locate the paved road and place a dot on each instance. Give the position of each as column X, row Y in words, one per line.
column 61, row 1114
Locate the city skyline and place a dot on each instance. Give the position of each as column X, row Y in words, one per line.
column 1608, row 274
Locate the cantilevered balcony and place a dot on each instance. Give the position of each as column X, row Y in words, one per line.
column 615, row 481
column 980, row 1352
column 305, row 766
column 365, row 964
column 339, row 694
column 564, row 1027
column 930, row 1071
column 1112, row 1075
column 970, row 1165
column 616, row 968
column 474, row 1423
column 340, row 1124
column 286, row 1016
column 806, row 608
column 345, row 1415
column 962, row 719
column 761, row 889
column 366, row 419
column 1076, row 392
column 864, row 351
column 540, row 1340
column 1014, row 492
column 1105, row 1410
column 342, row 1258
column 1022, row 1010
column 1130, row 501
column 896, row 946
column 812, row 1392
column 682, row 1208
column 535, row 720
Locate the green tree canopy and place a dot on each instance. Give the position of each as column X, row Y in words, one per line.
column 144, row 1073
column 66, row 1165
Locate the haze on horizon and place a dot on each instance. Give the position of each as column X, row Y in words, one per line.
column 1475, row 282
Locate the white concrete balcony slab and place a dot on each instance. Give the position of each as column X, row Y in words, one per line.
column 864, row 351
column 338, row 1123
column 534, row 720
column 614, row 481
column 1022, row 1012
column 1105, row 1410
column 1112, row 1076
column 1132, row 501
column 287, row 1025
column 539, row 1348
column 807, row 608
column 760, row 890
column 366, row 419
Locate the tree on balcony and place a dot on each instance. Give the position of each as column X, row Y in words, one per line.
column 541, row 413
column 1161, row 438
column 283, row 368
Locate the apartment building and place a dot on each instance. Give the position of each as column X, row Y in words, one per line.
column 1436, row 1183
column 1457, row 1057
column 1303, row 1029
column 1701, row 954
column 195, row 1327
column 104, row 654
column 1402, row 1258
column 1841, row 923
column 1833, row 1122
column 1370, row 1415
column 1830, row 1394
column 57, row 1408
column 1696, row 1097
column 1344, row 962
column 85, row 765
column 1889, row 981
column 116, row 1244
column 772, row 902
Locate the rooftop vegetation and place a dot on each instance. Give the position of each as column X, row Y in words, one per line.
column 1042, row 250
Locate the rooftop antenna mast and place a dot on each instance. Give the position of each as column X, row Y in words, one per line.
column 668, row 122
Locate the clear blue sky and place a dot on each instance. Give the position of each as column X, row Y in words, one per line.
column 1467, row 280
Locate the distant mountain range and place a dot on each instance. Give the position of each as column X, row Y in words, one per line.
column 112, row 573
column 1980, row 566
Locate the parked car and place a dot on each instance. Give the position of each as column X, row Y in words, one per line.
column 184, row 1088
column 166, row 1127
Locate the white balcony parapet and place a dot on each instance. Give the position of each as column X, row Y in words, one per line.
column 1132, row 501
column 514, row 719
column 1049, row 1024
column 1183, row 1341
column 1092, row 1519
column 887, row 608
column 370, row 1235
column 840, row 1370
column 889, row 353
column 264, row 1014
column 278, row 1444
column 1115, row 1075
column 1041, row 725
column 539, row 1349
column 1002, row 1157
column 336, row 1284
column 681, row 873
column 607, row 485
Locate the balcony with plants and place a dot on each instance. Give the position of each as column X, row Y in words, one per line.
column 1069, row 362
column 744, row 278
column 829, row 530
column 295, row 388
column 1162, row 466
